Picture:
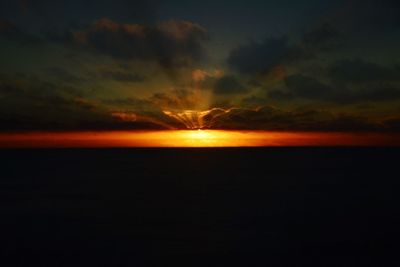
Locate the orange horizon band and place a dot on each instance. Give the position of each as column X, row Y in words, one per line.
column 193, row 138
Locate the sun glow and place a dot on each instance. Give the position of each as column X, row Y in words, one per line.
column 200, row 136
column 208, row 138
column 193, row 138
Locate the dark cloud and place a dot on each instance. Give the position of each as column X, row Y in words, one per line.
column 11, row 32
column 27, row 103
column 239, row 118
column 281, row 95
column 270, row 118
column 324, row 38
column 30, row 104
column 379, row 94
column 254, row 101
column 261, row 57
column 346, row 96
column 219, row 83
column 121, row 76
column 393, row 123
column 171, row 44
column 64, row 75
column 124, row 41
column 307, row 87
column 359, row 71
column 128, row 102
column 228, row 85
column 175, row 99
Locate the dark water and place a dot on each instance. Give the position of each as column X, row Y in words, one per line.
column 200, row 207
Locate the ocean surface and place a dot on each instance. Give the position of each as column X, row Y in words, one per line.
column 315, row 206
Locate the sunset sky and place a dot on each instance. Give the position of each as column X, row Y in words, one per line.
column 242, row 65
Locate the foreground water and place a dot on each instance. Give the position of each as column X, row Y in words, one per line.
column 200, row 207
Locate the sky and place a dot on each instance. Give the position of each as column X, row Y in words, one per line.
column 257, row 65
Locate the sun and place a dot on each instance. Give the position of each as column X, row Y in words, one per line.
column 200, row 137
column 200, row 134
